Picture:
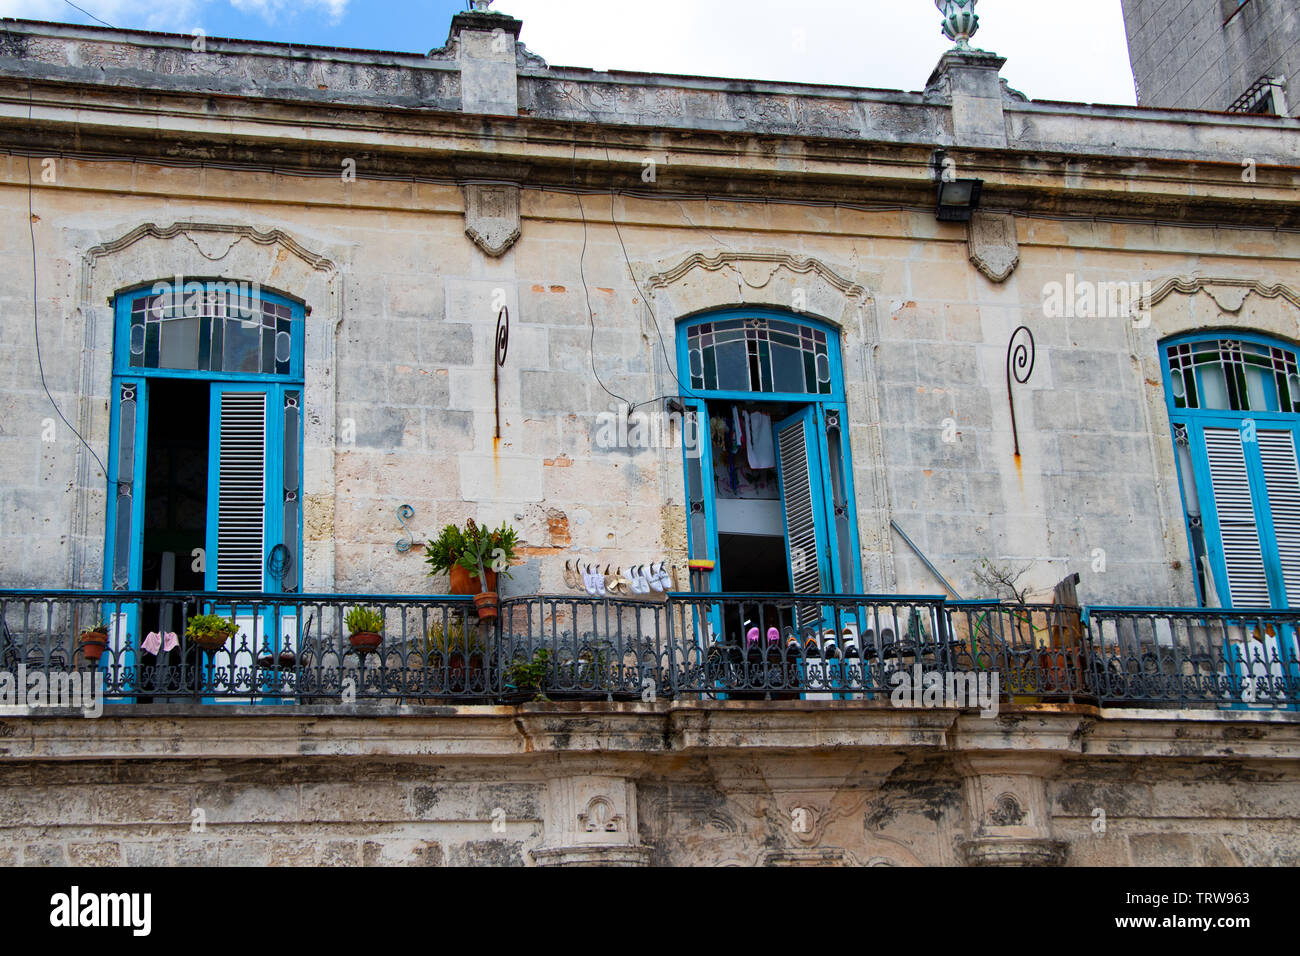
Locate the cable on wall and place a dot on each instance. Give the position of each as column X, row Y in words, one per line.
column 36, row 329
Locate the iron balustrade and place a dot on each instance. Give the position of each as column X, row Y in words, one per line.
column 434, row 649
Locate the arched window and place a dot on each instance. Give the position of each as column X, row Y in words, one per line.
column 770, row 485
column 206, row 439
column 1234, row 407
column 758, row 353
column 228, row 328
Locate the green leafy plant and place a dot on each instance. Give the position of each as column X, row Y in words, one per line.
column 473, row 548
column 364, row 620
column 488, row 549
column 101, row 627
column 445, row 550
column 530, row 676
column 456, row 636
column 210, row 626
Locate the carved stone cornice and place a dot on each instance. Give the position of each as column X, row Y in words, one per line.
column 801, row 265
column 1228, row 294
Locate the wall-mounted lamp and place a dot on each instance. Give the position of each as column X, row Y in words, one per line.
column 958, row 198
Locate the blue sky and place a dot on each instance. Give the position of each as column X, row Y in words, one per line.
column 1054, row 51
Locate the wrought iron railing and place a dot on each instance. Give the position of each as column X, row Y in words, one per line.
column 435, row 649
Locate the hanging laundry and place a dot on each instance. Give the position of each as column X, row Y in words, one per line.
column 154, row 642
column 760, row 449
column 732, row 447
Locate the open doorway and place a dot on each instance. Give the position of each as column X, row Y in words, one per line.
column 752, row 551
column 175, row 509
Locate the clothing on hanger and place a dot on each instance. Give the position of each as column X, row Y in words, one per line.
column 760, row 449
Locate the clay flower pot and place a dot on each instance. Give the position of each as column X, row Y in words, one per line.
column 210, row 642
column 93, row 645
column 365, row 640
column 485, row 602
column 462, row 582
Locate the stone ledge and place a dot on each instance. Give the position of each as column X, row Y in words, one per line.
column 1014, row 851
column 592, row 856
column 668, row 728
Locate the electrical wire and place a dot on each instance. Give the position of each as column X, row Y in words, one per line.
column 89, row 14
column 613, row 193
column 586, row 291
column 36, row 328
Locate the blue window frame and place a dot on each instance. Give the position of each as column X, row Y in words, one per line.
column 770, row 356
column 230, row 337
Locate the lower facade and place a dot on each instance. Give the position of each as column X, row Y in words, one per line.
column 706, row 783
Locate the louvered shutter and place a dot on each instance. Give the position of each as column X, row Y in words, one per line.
column 241, row 490
column 1282, row 482
column 1230, row 483
column 800, row 474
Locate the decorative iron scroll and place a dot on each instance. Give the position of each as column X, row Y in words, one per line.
column 502, row 346
column 404, row 512
column 1020, row 363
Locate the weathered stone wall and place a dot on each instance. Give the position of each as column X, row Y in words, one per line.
column 400, row 394
column 685, row 784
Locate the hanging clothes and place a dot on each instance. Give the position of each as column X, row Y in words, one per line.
column 760, row 448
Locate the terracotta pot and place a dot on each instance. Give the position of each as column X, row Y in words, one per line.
column 462, row 582
column 93, row 644
column 209, row 642
column 365, row 640
column 485, row 602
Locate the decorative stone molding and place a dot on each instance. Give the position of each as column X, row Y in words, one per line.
column 810, row 806
column 1009, row 851
column 591, row 819
column 492, row 216
column 1008, row 820
column 1228, row 294
column 992, row 245
column 723, row 260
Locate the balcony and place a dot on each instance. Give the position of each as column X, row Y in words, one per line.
column 434, row 650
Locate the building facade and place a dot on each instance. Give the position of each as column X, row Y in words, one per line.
column 283, row 292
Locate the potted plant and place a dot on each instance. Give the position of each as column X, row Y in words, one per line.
column 456, row 551
column 210, row 631
column 528, row 677
column 365, row 628
column 94, row 641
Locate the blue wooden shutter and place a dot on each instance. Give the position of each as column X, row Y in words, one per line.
column 1282, row 487
column 799, row 469
column 1234, row 506
column 238, row 500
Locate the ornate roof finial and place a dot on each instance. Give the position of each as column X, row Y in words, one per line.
column 959, row 21
column 481, row 6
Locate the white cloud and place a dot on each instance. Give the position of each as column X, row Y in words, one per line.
column 1053, row 51
column 270, row 10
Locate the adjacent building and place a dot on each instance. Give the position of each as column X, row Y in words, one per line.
column 1218, row 55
